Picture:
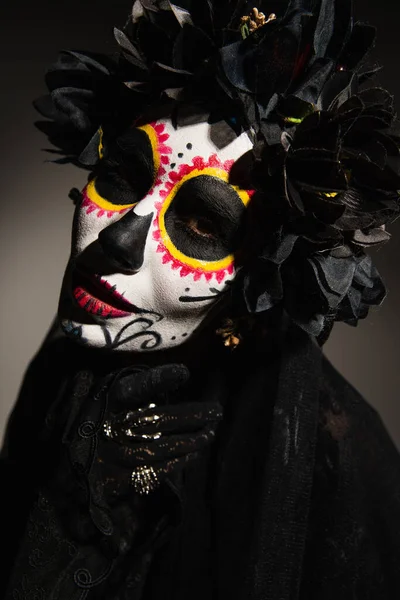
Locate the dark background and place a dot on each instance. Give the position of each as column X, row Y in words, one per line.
column 36, row 212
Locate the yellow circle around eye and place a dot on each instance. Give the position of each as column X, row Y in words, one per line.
column 215, row 265
column 101, row 202
column 101, row 145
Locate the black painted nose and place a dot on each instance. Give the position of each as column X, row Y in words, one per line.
column 124, row 241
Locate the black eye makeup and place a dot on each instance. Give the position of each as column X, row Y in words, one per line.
column 206, row 219
column 127, row 172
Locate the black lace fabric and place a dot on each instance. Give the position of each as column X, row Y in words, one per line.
column 354, row 535
column 295, row 497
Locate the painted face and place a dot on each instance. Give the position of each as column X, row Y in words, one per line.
column 154, row 239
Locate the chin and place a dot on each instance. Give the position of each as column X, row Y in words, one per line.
column 124, row 334
column 144, row 330
column 129, row 334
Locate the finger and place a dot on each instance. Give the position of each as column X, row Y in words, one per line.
column 151, row 423
column 176, row 464
column 147, row 478
column 163, row 449
column 175, row 418
column 136, row 387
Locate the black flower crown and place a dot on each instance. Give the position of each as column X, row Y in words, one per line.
column 292, row 74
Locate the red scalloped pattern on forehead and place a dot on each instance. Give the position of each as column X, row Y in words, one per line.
column 162, row 151
column 174, row 177
column 199, row 164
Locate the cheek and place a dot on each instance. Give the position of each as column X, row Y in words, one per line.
column 183, row 292
column 147, row 205
column 89, row 220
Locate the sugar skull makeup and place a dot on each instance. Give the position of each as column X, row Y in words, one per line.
column 154, row 239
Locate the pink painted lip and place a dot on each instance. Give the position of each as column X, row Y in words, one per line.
column 98, row 297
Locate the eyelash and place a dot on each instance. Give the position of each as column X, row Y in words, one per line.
column 191, row 221
column 183, row 224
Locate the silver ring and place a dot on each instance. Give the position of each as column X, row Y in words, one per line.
column 107, row 429
column 144, row 479
column 109, row 432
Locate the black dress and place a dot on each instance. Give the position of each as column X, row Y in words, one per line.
column 297, row 498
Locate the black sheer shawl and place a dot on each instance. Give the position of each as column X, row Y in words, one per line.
column 298, row 498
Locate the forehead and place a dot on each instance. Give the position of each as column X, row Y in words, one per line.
column 183, row 143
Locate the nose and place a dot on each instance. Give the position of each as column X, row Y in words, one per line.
column 124, row 241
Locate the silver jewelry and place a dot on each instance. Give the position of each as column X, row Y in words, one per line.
column 133, row 421
column 142, row 436
column 107, row 429
column 144, row 479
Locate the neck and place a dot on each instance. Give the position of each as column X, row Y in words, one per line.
column 204, row 351
column 195, row 353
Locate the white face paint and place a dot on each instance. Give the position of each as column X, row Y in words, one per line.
column 145, row 269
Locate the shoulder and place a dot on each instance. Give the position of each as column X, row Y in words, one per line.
column 352, row 435
column 353, row 543
column 41, row 386
column 348, row 419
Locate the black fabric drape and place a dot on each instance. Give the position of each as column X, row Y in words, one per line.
column 298, row 498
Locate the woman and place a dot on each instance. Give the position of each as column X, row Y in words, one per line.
column 192, row 440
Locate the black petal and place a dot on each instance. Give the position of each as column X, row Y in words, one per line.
column 360, row 43
column 370, row 238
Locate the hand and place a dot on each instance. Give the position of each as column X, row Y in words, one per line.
column 128, row 437
column 122, row 437
column 154, row 441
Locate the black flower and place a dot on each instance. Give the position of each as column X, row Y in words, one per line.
column 326, row 153
column 84, row 93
